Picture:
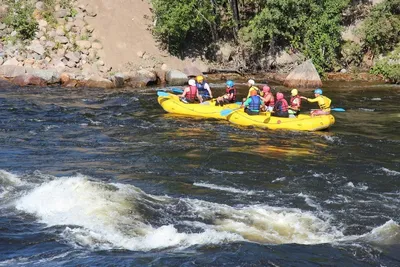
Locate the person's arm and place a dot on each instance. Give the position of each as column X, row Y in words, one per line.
column 184, row 92
column 312, row 100
column 247, row 102
column 207, row 87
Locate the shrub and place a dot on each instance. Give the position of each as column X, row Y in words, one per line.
column 389, row 66
column 20, row 18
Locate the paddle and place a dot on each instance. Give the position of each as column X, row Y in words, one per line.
column 338, row 109
column 164, row 94
column 226, row 112
column 177, row 90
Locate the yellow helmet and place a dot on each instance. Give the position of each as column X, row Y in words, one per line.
column 294, row 92
column 199, row 78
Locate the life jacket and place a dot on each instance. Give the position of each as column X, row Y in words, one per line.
column 271, row 102
column 255, row 103
column 283, row 105
column 293, row 104
column 202, row 90
column 192, row 92
column 229, row 90
column 326, row 104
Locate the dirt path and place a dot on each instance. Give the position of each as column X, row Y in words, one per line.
column 122, row 27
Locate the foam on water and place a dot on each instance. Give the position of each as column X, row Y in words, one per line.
column 8, row 182
column 390, row 172
column 225, row 188
column 106, row 216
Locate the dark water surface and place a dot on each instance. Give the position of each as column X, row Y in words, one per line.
column 106, row 177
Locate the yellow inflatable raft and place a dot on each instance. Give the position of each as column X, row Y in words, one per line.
column 265, row 120
column 171, row 104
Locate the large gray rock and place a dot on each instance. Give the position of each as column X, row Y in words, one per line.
column 61, row 39
column 140, row 78
column 118, row 80
column 71, row 56
column 50, row 76
column 11, row 71
column 175, row 77
column 28, row 79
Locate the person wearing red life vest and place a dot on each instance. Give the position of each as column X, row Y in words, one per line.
column 281, row 106
column 268, row 98
column 229, row 96
column 295, row 103
column 190, row 93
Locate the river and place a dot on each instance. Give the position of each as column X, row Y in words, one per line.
column 105, row 177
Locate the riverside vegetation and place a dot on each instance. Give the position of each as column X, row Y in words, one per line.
column 261, row 30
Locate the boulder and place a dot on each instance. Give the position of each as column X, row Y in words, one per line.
column 96, row 81
column 192, row 70
column 51, row 76
column 61, row 39
column 118, row 80
column 11, row 71
column 304, row 75
column 28, row 79
column 175, row 77
column 140, row 78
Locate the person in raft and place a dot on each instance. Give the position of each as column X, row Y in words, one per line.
column 203, row 88
column 295, row 103
column 268, row 98
column 323, row 102
column 252, row 87
column 281, row 106
column 253, row 104
column 190, row 93
column 229, row 96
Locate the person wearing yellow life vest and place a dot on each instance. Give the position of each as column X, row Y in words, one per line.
column 323, row 102
column 252, row 87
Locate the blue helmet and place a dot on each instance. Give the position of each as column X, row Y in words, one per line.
column 318, row 91
column 230, row 83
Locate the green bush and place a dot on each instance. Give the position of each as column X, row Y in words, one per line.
column 381, row 29
column 389, row 66
column 20, row 18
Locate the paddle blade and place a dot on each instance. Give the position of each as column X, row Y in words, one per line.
column 177, row 90
column 226, row 112
column 163, row 94
column 338, row 109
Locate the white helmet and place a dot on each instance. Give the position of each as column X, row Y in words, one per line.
column 251, row 82
column 192, row 82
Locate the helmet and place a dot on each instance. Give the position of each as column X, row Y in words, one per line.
column 253, row 92
column 230, row 83
column 279, row 96
column 199, row 78
column 192, row 82
column 318, row 91
column 266, row 89
column 294, row 92
column 251, row 82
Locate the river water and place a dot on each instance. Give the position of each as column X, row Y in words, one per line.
column 106, row 177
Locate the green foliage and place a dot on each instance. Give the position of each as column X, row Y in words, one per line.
column 381, row 29
column 48, row 12
column 351, row 53
column 389, row 66
column 20, row 18
column 181, row 22
column 312, row 27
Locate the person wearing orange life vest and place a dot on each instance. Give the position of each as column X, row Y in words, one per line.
column 268, row 98
column 295, row 103
column 253, row 104
column 281, row 106
column 190, row 93
column 229, row 96
column 323, row 102
column 203, row 89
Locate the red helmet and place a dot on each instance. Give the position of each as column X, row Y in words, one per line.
column 279, row 96
column 266, row 89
